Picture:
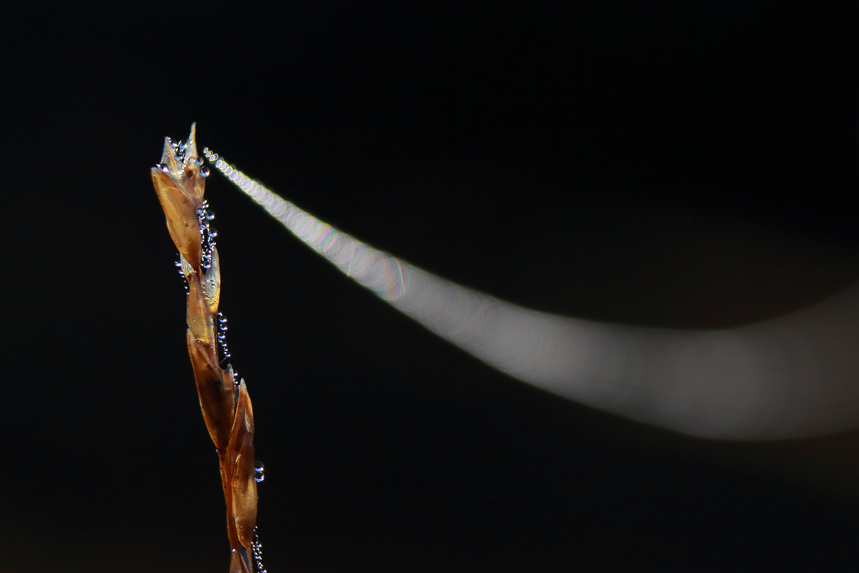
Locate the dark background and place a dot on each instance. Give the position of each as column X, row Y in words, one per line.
column 687, row 164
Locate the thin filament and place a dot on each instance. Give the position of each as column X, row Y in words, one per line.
column 790, row 377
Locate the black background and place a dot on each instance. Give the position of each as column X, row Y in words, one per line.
column 687, row 164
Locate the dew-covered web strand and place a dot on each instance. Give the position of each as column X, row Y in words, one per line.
column 725, row 384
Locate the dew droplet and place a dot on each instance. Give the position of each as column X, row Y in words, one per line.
column 259, row 472
column 213, row 232
column 163, row 167
column 204, row 171
column 210, row 215
column 198, row 161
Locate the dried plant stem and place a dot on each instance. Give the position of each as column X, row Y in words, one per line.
column 180, row 184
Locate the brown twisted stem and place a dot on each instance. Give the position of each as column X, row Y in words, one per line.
column 180, row 184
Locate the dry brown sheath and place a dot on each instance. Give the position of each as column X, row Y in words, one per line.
column 226, row 405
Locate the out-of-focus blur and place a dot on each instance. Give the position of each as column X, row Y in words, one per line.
column 791, row 377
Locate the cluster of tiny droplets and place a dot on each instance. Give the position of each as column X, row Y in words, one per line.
column 181, row 150
column 207, row 241
column 207, row 234
column 256, row 546
column 222, row 336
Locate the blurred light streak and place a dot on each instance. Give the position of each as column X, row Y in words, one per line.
column 790, row 377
